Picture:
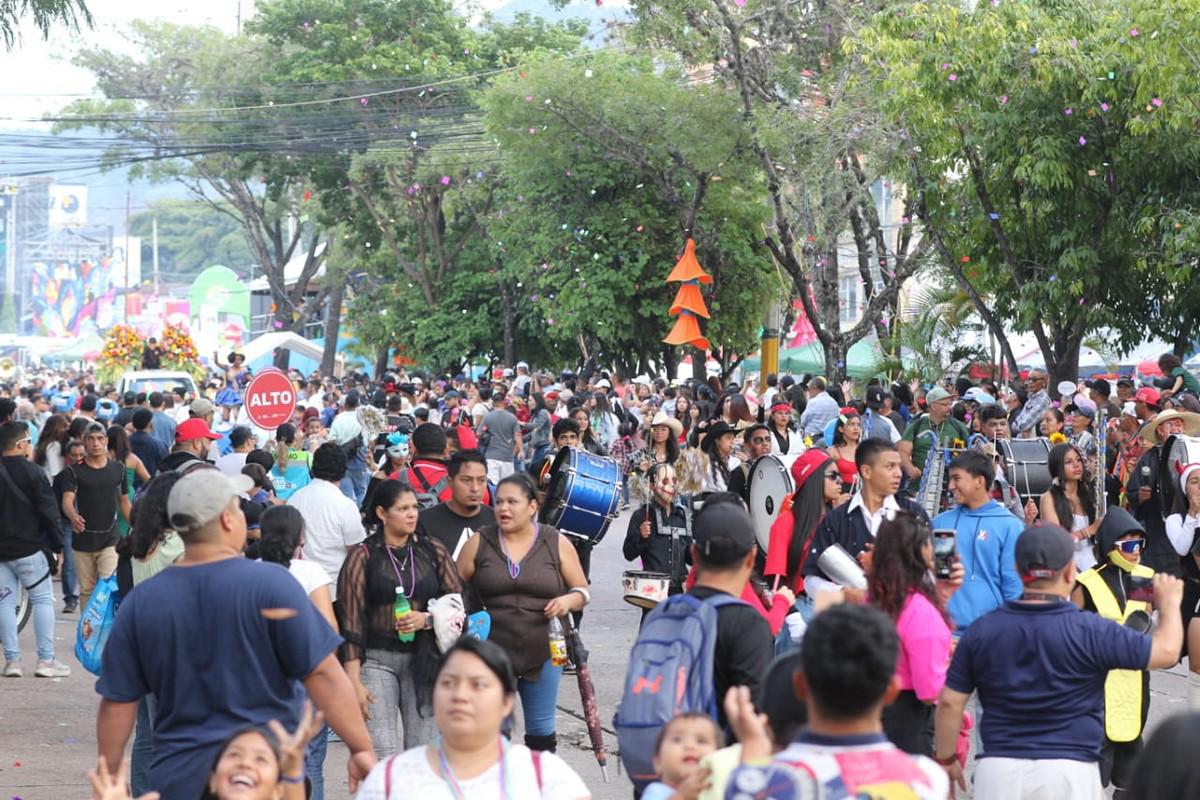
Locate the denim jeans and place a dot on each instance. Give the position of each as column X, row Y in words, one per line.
column 33, row 573
column 538, row 699
column 70, row 581
column 143, row 746
column 354, row 484
column 314, row 763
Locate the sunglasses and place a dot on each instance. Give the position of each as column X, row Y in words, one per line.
column 832, row 476
column 1131, row 545
column 760, row 440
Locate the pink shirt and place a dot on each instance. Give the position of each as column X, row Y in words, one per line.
column 924, row 647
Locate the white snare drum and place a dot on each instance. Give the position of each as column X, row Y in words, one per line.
column 645, row 589
column 770, row 484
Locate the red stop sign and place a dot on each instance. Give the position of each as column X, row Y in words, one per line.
column 270, row 399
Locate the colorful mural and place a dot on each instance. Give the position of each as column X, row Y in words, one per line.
column 68, row 299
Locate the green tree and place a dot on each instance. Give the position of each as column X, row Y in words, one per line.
column 44, row 14
column 417, row 176
column 191, row 237
column 1044, row 165
column 822, row 147
column 203, row 118
column 606, row 175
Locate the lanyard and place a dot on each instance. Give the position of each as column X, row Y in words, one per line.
column 514, row 567
column 456, row 790
column 409, row 561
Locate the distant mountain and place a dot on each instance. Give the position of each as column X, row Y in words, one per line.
column 598, row 14
column 75, row 162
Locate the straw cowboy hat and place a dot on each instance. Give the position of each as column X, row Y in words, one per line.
column 1191, row 422
column 662, row 418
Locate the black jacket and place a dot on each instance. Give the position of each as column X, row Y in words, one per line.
column 1159, row 555
column 849, row 530
column 175, row 460
column 655, row 551
column 27, row 528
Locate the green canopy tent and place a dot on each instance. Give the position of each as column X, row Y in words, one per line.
column 90, row 344
column 861, row 361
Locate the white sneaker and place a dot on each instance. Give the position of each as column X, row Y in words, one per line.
column 12, row 669
column 51, row 669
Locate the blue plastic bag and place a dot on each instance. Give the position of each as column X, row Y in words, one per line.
column 96, row 622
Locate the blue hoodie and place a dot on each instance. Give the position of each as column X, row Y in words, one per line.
column 987, row 547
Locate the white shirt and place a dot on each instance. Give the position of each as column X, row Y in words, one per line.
column 231, row 464
column 717, row 483
column 873, row 520
column 345, row 427
column 795, row 444
column 1181, row 530
column 309, row 573
column 331, row 524
column 411, row 776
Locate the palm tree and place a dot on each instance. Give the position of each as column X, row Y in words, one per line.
column 932, row 335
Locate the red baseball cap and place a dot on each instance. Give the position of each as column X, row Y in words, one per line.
column 804, row 466
column 1148, row 395
column 194, row 428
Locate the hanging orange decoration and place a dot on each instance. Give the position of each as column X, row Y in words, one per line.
column 689, row 301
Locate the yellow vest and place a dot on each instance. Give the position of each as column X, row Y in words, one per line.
column 1123, row 687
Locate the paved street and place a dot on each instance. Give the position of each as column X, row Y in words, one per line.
column 47, row 727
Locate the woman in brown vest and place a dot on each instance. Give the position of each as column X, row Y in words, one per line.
column 525, row 573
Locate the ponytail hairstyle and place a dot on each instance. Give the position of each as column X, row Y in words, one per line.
column 285, row 437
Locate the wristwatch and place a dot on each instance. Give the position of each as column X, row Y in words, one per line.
column 428, row 622
column 947, row 761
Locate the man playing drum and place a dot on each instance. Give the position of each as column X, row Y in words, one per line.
column 758, row 444
column 660, row 532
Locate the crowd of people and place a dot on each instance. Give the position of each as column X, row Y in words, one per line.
column 283, row 587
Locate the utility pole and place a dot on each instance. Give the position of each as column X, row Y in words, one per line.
column 154, row 250
column 128, row 210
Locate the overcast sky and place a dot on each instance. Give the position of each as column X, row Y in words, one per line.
column 36, row 76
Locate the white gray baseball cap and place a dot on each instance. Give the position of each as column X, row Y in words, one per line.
column 200, row 496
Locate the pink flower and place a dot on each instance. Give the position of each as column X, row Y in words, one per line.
column 1069, row 112
column 1134, row 33
column 1105, row 106
column 1003, row 99
column 445, row 180
column 1156, row 103
column 952, row 77
column 1082, row 141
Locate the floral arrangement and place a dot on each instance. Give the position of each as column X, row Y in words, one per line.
column 122, row 352
column 179, row 352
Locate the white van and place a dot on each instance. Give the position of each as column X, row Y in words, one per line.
column 157, row 380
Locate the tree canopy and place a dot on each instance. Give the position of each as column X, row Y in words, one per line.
column 1052, row 151
column 44, row 14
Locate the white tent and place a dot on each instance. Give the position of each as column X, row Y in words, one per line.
column 269, row 342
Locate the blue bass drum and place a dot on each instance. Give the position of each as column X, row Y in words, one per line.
column 584, row 494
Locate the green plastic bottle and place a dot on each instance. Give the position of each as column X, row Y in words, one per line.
column 401, row 610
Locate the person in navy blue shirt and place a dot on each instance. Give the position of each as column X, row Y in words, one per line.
column 222, row 643
column 1039, row 664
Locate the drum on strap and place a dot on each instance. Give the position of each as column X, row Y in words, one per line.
column 583, row 495
column 645, row 589
column 1026, row 466
column 770, row 484
column 1178, row 451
